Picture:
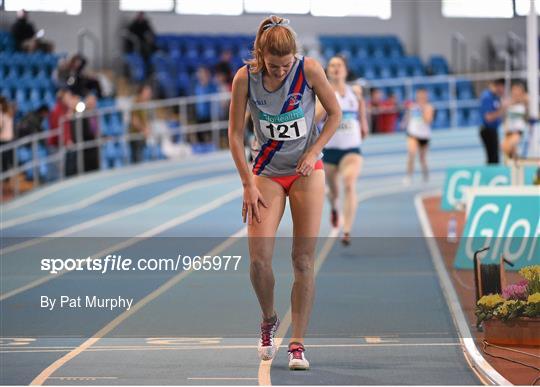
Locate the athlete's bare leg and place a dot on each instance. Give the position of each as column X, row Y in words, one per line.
column 510, row 144
column 423, row 161
column 261, row 243
column 332, row 182
column 349, row 168
column 412, row 146
column 306, row 200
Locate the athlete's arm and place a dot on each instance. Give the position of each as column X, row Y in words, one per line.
column 428, row 113
column 237, row 112
column 320, row 113
column 362, row 115
column 316, row 78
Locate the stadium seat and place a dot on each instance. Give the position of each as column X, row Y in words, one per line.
column 442, row 119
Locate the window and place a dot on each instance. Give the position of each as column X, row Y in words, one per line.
column 209, row 7
column 71, row 7
column 369, row 8
column 478, row 8
column 277, row 6
column 523, row 7
column 145, row 5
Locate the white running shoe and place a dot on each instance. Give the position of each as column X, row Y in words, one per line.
column 297, row 357
column 267, row 348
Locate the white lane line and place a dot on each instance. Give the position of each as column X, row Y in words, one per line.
column 131, row 171
column 154, row 201
column 136, row 239
column 460, row 321
column 222, row 378
column 108, row 193
column 57, row 186
column 47, row 372
column 227, row 347
column 83, row 378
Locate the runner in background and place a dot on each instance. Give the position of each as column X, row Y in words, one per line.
column 342, row 155
column 418, row 118
column 515, row 123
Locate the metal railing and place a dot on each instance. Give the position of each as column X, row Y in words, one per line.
column 479, row 81
column 59, row 155
column 181, row 112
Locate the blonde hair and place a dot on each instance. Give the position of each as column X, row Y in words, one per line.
column 274, row 37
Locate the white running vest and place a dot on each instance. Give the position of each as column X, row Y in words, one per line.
column 417, row 127
column 516, row 118
column 348, row 132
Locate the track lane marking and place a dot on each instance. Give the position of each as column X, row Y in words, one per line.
column 44, row 375
column 106, row 194
column 133, row 240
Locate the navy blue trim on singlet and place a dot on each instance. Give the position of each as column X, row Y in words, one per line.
column 277, row 147
column 299, row 89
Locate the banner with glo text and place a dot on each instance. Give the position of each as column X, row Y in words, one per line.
column 505, row 219
column 459, row 178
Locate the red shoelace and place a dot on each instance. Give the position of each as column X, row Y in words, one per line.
column 296, row 350
column 266, row 333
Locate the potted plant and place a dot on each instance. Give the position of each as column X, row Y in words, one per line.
column 513, row 317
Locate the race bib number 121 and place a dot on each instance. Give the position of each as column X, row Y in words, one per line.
column 284, row 127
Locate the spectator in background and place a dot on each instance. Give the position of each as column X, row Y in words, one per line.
column 492, row 111
column 7, row 134
column 224, row 69
column 203, row 108
column 71, row 74
column 142, row 30
column 64, row 110
column 139, row 128
column 516, row 120
column 24, row 34
column 90, row 132
column 388, row 114
column 374, row 106
column 223, row 86
column 33, row 122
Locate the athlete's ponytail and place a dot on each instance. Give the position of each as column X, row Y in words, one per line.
column 274, row 37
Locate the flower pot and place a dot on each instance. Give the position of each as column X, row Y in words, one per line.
column 520, row 331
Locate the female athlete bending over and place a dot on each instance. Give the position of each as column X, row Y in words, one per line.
column 280, row 88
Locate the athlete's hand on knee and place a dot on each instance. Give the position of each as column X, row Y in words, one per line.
column 250, row 206
column 306, row 164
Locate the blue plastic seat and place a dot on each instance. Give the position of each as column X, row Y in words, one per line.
column 386, row 71
column 35, row 95
column 183, row 84
column 6, row 92
column 438, row 65
column 442, row 119
column 20, row 95
column 370, row 72
column 136, row 67
column 464, row 89
column 474, row 117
